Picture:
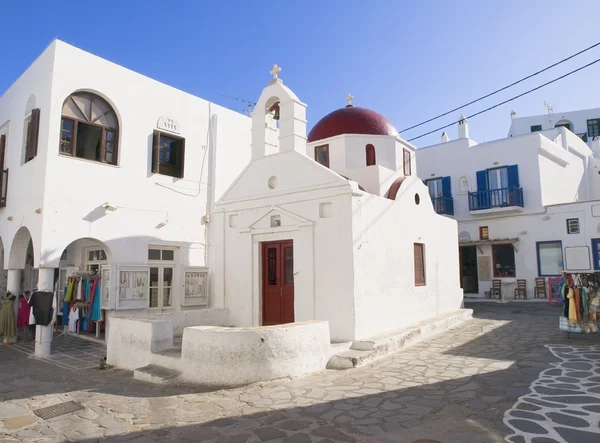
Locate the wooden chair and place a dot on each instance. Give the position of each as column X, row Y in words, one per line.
column 540, row 288
column 496, row 290
column 521, row 289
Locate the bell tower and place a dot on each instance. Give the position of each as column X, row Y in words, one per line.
column 278, row 103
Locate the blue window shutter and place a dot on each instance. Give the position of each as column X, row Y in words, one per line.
column 446, row 187
column 481, row 181
column 513, row 176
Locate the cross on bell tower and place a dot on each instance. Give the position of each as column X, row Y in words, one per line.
column 275, row 72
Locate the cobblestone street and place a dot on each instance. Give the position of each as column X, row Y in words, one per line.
column 453, row 388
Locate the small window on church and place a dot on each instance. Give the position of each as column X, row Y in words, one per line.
column 370, row 155
column 406, row 162
column 419, row 264
column 322, row 155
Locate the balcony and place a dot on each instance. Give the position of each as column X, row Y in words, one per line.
column 496, row 200
column 443, row 205
column 3, row 187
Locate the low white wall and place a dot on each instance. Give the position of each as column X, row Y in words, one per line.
column 229, row 357
column 132, row 340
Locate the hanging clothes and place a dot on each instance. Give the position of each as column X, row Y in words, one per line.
column 73, row 319
column 578, row 303
column 572, row 307
column 23, row 313
column 95, row 309
column 43, row 305
column 7, row 318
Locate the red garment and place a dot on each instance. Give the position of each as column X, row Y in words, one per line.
column 578, row 303
column 23, row 313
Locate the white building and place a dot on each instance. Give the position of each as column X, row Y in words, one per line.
column 336, row 229
column 105, row 169
column 527, row 206
column 585, row 123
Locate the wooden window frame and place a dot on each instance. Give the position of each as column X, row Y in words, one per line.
column 371, row 155
column 569, row 227
column 326, row 150
column 483, row 229
column 2, row 150
column 104, row 129
column 158, row 168
column 406, row 165
column 595, row 124
column 420, row 277
column 32, row 135
column 494, row 261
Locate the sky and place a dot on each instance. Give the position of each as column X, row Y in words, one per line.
column 409, row 61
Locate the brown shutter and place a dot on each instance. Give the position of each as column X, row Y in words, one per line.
column 181, row 155
column 2, row 150
column 32, row 134
column 419, row 264
column 155, row 151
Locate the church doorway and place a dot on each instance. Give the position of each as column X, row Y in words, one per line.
column 468, row 269
column 278, row 282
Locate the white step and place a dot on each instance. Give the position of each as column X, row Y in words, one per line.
column 156, row 374
column 367, row 350
column 350, row 359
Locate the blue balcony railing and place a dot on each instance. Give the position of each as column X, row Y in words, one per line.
column 496, row 198
column 443, row 205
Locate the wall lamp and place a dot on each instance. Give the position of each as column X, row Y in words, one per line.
column 109, row 206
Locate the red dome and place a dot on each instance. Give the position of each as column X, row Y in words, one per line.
column 351, row 120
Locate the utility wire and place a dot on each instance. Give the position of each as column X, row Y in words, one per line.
column 502, row 89
column 511, row 99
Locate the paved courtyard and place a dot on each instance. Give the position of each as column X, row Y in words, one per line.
column 506, row 375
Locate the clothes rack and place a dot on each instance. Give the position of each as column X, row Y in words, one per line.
column 580, row 296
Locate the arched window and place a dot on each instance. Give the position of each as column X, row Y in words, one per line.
column 370, row 155
column 89, row 128
column 566, row 123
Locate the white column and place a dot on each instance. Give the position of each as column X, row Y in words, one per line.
column 43, row 334
column 13, row 281
column 13, row 284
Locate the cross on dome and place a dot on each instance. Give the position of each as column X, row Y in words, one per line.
column 349, row 99
column 275, row 71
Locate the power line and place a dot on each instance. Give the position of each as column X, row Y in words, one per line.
column 510, row 99
column 502, row 89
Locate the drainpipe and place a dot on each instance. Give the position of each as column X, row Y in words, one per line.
column 210, row 196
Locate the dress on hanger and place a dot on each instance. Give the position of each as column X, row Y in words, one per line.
column 24, row 311
column 7, row 318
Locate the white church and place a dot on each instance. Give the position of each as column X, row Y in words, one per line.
column 188, row 215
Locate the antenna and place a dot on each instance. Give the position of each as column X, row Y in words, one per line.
column 550, row 110
column 250, row 104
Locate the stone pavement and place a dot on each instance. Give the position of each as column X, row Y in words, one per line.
column 453, row 388
column 69, row 352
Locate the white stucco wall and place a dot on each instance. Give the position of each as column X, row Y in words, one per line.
column 522, row 125
column 26, row 181
column 530, row 229
column 68, row 192
column 322, row 242
column 548, row 172
column 384, row 233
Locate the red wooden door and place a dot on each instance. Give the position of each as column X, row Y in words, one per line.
column 278, row 282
